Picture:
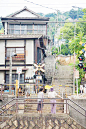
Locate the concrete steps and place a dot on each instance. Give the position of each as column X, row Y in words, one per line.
column 46, row 107
column 63, row 76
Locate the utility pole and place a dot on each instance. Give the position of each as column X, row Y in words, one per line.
column 74, row 60
column 57, row 30
column 10, row 72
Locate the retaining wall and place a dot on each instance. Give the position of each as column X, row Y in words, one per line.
column 38, row 121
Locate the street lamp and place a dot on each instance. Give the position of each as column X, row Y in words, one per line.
column 10, row 71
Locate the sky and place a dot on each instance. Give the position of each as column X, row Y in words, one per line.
column 10, row 6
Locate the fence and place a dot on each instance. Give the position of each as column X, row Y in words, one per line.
column 63, row 91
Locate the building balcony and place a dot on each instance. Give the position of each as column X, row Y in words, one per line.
column 19, row 57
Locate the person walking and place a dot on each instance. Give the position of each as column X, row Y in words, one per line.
column 40, row 100
column 52, row 94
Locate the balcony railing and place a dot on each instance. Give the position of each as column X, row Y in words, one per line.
column 19, row 57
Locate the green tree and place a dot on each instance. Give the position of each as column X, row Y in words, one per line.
column 51, row 28
column 73, row 14
column 64, row 50
column 41, row 14
column 51, row 15
column 67, row 31
column 54, row 50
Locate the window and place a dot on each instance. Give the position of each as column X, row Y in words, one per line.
column 23, row 29
column 16, row 29
column 38, row 55
column 20, row 29
column 8, row 51
column 29, row 27
column 14, row 50
column 40, row 29
column 18, row 51
column 15, row 77
column 26, row 29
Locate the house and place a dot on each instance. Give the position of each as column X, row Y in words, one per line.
column 25, row 33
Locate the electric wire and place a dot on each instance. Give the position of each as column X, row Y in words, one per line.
column 41, row 5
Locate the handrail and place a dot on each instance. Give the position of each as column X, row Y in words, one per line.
column 67, row 99
column 34, row 98
column 77, row 104
column 7, row 108
column 77, row 110
column 44, row 98
column 7, row 103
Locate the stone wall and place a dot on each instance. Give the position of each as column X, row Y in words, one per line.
column 49, row 68
column 38, row 121
column 65, row 60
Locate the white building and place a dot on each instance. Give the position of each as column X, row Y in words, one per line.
column 25, row 33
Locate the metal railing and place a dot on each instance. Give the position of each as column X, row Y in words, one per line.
column 12, row 107
column 34, row 88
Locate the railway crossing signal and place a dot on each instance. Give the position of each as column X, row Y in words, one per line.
column 39, row 67
column 81, row 58
column 84, row 68
column 80, row 65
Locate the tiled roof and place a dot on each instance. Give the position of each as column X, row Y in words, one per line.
column 26, row 9
column 29, row 36
column 25, row 18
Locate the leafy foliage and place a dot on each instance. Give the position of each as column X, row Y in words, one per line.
column 65, row 49
column 54, row 50
column 51, row 15
column 73, row 14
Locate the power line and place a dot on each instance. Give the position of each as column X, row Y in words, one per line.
column 65, row 21
column 44, row 4
column 40, row 5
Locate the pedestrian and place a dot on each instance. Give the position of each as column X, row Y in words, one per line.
column 52, row 94
column 40, row 100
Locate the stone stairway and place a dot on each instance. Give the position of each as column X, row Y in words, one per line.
column 46, row 107
column 63, row 76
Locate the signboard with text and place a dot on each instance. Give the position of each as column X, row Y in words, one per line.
column 19, row 70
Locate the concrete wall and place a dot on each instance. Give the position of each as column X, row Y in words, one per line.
column 30, row 72
column 29, row 51
column 2, row 52
column 1, row 77
column 76, row 115
column 15, row 43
